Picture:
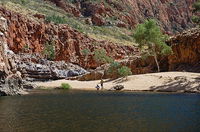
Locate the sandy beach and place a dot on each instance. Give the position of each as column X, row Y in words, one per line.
column 163, row 81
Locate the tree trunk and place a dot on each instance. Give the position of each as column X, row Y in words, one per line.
column 86, row 62
column 156, row 60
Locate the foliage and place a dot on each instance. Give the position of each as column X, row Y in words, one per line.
column 86, row 52
column 23, row 2
column 124, row 71
column 25, row 48
column 49, row 50
column 196, row 6
column 56, row 19
column 150, row 36
column 100, row 56
column 65, row 86
column 117, row 70
column 196, row 18
column 113, row 68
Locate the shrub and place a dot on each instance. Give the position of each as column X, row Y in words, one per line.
column 124, row 71
column 86, row 52
column 113, row 69
column 65, row 86
column 117, row 70
column 101, row 57
column 23, row 2
column 49, row 50
column 56, row 19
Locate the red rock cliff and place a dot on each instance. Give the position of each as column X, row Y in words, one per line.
column 186, row 48
column 68, row 42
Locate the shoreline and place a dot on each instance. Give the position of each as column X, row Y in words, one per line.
column 43, row 91
column 169, row 82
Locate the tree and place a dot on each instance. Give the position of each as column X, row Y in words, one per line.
column 149, row 37
column 100, row 56
column 196, row 18
column 86, row 52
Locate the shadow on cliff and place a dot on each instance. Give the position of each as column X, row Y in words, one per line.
column 179, row 84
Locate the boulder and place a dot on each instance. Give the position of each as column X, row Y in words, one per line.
column 98, row 20
column 93, row 75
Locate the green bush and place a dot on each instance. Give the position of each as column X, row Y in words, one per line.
column 124, row 71
column 56, row 19
column 49, row 50
column 86, row 52
column 23, row 2
column 100, row 56
column 65, row 86
column 117, row 70
column 196, row 10
column 113, row 69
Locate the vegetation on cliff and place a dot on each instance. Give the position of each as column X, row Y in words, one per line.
column 49, row 50
column 196, row 18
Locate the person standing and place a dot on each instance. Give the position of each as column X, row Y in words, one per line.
column 101, row 82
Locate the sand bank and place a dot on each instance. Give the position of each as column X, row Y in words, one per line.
column 163, row 81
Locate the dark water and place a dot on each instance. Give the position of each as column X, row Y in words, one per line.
column 80, row 111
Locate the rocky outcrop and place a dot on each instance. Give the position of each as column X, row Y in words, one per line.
column 186, row 51
column 35, row 68
column 173, row 15
column 10, row 78
column 68, row 7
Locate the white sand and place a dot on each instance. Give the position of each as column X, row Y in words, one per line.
column 168, row 81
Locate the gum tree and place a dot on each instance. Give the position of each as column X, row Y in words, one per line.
column 149, row 37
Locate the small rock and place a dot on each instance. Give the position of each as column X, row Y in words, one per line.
column 117, row 87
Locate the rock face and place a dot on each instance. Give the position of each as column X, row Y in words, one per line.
column 173, row 15
column 68, row 43
column 10, row 78
column 186, row 48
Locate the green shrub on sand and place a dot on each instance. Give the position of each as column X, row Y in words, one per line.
column 65, row 86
